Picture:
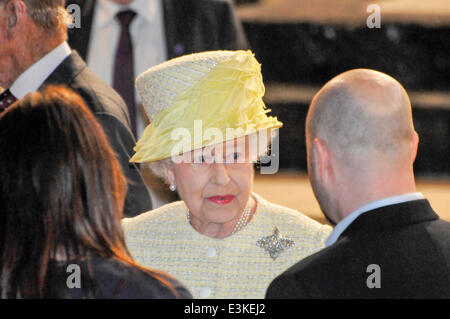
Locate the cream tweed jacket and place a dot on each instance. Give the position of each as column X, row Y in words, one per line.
column 233, row 267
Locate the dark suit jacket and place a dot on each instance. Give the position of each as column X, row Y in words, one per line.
column 408, row 241
column 110, row 110
column 190, row 26
column 111, row 278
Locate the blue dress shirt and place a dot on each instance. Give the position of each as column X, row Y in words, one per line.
column 344, row 223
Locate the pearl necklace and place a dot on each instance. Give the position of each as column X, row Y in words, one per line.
column 243, row 220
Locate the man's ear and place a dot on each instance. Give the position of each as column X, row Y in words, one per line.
column 323, row 157
column 16, row 12
column 415, row 146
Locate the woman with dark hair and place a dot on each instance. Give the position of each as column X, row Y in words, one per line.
column 61, row 199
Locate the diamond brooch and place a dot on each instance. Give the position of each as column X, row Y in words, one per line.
column 275, row 244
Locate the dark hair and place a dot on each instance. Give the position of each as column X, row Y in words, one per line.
column 62, row 191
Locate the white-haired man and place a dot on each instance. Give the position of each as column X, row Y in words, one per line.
column 34, row 53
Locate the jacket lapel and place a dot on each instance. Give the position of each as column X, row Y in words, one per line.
column 66, row 72
column 390, row 217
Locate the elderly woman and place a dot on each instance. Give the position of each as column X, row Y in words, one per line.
column 208, row 126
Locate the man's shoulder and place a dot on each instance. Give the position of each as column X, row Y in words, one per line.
column 99, row 97
column 326, row 273
column 362, row 247
column 128, row 281
column 327, row 259
column 102, row 97
column 439, row 230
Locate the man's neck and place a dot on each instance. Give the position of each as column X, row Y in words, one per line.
column 35, row 75
column 35, row 45
column 39, row 51
column 388, row 201
column 373, row 188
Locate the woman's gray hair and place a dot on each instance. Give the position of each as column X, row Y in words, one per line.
column 159, row 167
column 51, row 15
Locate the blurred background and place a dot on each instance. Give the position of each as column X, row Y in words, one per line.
column 302, row 44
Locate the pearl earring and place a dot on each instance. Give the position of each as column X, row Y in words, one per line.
column 172, row 187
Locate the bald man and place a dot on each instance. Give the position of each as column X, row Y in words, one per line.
column 388, row 242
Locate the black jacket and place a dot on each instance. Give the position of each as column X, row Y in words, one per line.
column 107, row 278
column 110, row 110
column 408, row 242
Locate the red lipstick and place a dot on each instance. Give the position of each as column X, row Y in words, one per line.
column 221, row 200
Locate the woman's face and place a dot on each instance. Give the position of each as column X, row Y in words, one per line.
column 215, row 182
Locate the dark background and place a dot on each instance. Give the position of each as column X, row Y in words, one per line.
column 309, row 54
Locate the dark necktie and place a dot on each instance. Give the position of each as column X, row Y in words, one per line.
column 6, row 99
column 123, row 81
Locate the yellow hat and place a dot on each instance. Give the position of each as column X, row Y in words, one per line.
column 215, row 91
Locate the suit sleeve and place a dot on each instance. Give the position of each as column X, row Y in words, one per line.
column 122, row 142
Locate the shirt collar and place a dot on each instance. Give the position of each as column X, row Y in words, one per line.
column 143, row 8
column 344, row 223
column 34, row 76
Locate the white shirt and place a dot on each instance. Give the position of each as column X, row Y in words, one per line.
column 147, row 35
column 344, row 223
column 33, row 77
